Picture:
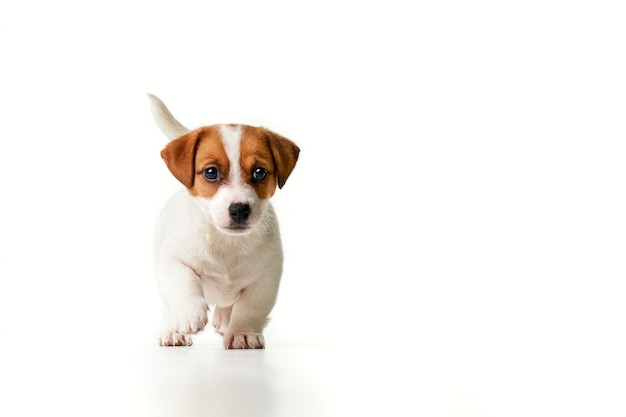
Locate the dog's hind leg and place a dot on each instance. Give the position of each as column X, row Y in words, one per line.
column 221, row 318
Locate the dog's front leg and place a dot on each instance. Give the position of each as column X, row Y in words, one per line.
column 185, row 309
column 249, row 316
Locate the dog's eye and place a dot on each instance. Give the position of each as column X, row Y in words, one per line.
column 211, row 174
column 259, row 174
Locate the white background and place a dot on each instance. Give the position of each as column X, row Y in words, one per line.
column 456, row 220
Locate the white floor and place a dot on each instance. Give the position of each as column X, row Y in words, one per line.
column 371, row 379
column 408, row 376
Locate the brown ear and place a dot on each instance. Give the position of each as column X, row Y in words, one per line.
column 180, row 155
column 285, row 154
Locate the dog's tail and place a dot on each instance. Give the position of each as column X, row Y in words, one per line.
column 164, row 119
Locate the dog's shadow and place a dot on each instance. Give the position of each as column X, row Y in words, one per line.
column 206, row 380
column 193, row 382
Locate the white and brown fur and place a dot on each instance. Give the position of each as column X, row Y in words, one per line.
column 217, row 241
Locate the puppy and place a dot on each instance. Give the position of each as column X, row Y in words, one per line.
column 217, row 241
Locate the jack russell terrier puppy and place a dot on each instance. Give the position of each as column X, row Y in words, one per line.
column 217, row 241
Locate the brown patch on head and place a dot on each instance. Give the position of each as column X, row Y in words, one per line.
column 189, row 155
column 261, row 148
column 179, row 156
column 285, row 154
column 210, row 154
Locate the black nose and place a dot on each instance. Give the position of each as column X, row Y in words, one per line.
column 239, row 212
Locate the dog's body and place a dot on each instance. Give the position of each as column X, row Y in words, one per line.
column 218, row 241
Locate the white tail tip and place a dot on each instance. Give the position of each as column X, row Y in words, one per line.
column 171, row 127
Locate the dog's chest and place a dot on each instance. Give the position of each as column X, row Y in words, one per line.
column 225, row 269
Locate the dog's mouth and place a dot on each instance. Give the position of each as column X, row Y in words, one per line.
column 236, row 229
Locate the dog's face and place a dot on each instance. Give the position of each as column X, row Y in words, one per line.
column 232, row 171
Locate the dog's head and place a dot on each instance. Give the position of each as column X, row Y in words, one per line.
column 231, row 170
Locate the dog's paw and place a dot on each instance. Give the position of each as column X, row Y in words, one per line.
column 244, row 341
column 189, row 318
column 174, row 339
column 221, row 318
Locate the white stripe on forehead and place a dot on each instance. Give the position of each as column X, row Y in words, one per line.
column 231, row 138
